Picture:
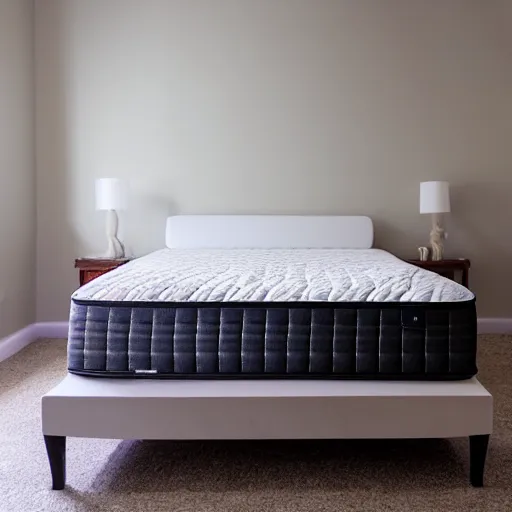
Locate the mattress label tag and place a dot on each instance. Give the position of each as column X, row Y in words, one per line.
column 146, row 371
column 413, row 318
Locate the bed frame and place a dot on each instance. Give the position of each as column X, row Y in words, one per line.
column 303, row 409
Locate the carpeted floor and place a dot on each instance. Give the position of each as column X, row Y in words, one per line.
column 103, row 475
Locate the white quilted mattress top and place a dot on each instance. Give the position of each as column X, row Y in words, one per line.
column 270, row 275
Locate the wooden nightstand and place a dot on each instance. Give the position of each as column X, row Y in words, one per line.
column 91, row 268
column 457, row 270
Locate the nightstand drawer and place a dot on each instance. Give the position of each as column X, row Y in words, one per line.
column 449, row 274
column 456, row 270
column 89, row 275
column 91, row 268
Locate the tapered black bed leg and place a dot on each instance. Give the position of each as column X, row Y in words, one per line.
column 56, row 449
column 477, row 452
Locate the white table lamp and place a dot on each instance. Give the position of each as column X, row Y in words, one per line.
column 435, row 199
column 111, row 196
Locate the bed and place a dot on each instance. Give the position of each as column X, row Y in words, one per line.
column 331, row 308
column 270, row 327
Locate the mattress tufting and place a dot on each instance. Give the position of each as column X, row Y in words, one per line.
column 270, row 275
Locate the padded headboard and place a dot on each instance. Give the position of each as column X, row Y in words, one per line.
column 268, row 231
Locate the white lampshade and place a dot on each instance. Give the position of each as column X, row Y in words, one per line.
column 434, row 197
column 111, row 194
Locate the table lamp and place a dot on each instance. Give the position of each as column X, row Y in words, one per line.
column 111, row 196
column 435, row 199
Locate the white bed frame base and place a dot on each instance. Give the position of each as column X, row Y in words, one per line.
column 275, row 409
column 243, row 409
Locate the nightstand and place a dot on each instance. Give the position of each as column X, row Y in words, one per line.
column 91, row 268
column 456, row 270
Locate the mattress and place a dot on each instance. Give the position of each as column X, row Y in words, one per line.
column 273, row 313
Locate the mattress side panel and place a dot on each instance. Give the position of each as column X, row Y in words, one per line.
column 368, row 341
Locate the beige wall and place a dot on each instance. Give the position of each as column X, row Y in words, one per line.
column 274, row 106
column 17, row 198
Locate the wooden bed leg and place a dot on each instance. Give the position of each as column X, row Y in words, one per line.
column 56, row 449
column 477, row 452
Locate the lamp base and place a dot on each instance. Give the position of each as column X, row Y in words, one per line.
column 115, row 249
column 437, row 235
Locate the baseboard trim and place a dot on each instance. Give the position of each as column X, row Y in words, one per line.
column 494, row 325
column 51, row 329
column 24, row 337
column 16, row 342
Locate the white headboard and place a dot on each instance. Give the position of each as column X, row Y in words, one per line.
column 268, row 231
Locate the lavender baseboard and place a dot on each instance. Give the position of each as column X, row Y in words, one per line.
column 494, row 325
column 17, row 341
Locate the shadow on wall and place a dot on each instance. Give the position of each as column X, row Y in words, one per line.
column 469, row 202
column 147, row 213
column 396, row 238
column 488, row 244
column 56, row 238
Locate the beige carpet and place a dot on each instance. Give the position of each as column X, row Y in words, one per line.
column 413, row 475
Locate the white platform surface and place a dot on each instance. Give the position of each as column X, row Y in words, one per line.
column 274, row 409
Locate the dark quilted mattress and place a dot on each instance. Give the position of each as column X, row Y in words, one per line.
column 349, row 341
column 255, row 313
